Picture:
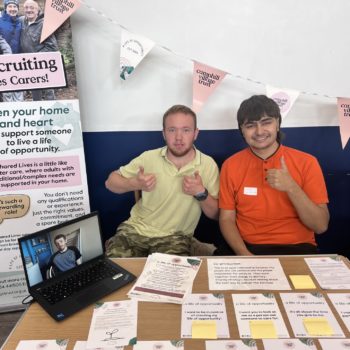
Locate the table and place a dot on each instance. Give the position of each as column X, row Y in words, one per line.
column 156, row 321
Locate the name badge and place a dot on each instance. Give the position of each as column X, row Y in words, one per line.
column 250, row 191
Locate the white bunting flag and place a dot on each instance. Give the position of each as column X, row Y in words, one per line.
column 285, row 98
column 133, row 49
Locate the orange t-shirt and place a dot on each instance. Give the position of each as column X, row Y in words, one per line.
column 265, row 215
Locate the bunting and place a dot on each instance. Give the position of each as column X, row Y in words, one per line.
column 56, row 12
column 285, row 98
column 133, row 49
column 344, row 119
column 205, row 80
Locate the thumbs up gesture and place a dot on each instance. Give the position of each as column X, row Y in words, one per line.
column 280, row 179
column 146, row 182
column 193, row 184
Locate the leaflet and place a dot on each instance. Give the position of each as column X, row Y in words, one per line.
column 337, row 344
column 341, row 302
column 287, row 344
column 53, row 344
column 310, row 315
column 199, row 307
column 245, row 344
column 246, row 274
column 159, row 345
column 331, row 273
column 258, row 307
column 166, row 278
column 113, row 324
column 82, row 345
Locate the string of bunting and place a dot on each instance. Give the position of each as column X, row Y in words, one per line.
column 134, row 48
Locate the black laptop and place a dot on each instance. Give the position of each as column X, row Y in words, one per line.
column 65, row 266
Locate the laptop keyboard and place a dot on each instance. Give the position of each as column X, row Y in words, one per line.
column 79, row 280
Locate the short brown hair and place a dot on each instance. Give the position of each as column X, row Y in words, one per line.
column 180, row 109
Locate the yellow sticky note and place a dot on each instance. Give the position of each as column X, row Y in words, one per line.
column 262, row 329
column 317, row 326
column 302, row 282
column 204, row 329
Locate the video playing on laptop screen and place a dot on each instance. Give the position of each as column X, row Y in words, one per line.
column 52, row 251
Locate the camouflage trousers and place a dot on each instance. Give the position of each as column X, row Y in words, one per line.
column 128, row 243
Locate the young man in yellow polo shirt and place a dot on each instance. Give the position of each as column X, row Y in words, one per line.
column 272, row 198
column 177, row 181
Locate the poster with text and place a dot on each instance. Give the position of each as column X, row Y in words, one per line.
column 42, row 168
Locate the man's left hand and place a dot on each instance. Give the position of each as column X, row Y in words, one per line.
column 280, row 179
column 192, row 185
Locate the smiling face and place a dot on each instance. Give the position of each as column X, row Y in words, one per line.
column 12, row 10
column 180, row 133
column 61, row 244
column 261, row 135
column 31, row 10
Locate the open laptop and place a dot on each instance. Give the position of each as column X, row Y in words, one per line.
column 65, row 266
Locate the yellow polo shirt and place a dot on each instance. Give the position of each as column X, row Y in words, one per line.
column 167, row 209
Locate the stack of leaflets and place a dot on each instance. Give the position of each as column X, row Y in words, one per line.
column 166, row 278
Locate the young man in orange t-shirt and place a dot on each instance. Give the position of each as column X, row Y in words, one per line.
column 272, row 198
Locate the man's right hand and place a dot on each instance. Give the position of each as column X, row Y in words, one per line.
column 146, row 182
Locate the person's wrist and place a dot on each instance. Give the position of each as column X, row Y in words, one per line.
column 201, row 196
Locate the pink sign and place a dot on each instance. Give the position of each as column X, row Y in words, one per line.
column 205, row 80
column 344, row 119
column 29, row 71
column 56, row 12
column 36, row 173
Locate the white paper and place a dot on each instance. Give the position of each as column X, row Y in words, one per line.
column 331, row 273
column 52, row 344
column 82, row 345
column 198, row 307
column 113, row 324
column 341, row 302
column 257, row 307
column 335, row 344
column 287, row 344
column 246, row 274
column 245, row 344
column 299, row 306
column 166, row 278
column 159, row 345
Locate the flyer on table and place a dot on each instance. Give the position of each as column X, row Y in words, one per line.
column 341, row 302
column 262, row 308
column 202, row 307
column 246, row 274
column 310, row 315
column 42, row 172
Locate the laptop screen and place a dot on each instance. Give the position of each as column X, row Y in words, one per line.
column 52, row 251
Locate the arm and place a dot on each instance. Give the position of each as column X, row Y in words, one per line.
column 314, row 216
column 4, row 46
column 193, row 185
column 229, row 230
column 120, row 184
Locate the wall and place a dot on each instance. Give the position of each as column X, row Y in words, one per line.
column 296, row 45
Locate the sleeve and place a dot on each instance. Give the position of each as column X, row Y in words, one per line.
column 314, row 184
column 131, row 169
column 226, row 194
column 49, row 45
column 211, row 178
column 4, row 46
column 76, row 252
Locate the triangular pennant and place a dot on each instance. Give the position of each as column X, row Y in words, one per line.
column 285, row 98
column 56, row 12
column 133, row 49
column 205, row 80
column 344, row 119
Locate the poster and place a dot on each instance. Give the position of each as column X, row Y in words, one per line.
column 42, row 170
